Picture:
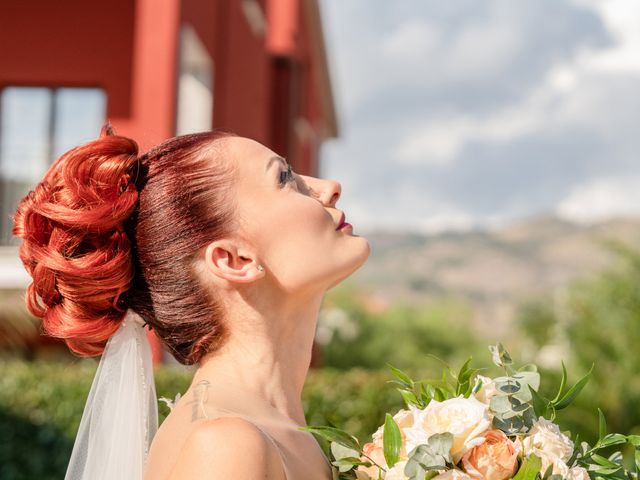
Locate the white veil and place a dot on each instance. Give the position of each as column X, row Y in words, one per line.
column 120, row 417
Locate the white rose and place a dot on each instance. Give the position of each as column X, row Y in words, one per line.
column 452, row 475
column 487, row 390
column 465, row 418
column 546, row 441
column 577, row 473
column 396, row 472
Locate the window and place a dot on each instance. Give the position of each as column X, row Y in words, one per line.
column 195, row 84
column 37, row 124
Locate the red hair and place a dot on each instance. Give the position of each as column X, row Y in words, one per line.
column 106, row 230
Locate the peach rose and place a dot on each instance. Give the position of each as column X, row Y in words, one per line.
column 376, row 453
column 495, row 459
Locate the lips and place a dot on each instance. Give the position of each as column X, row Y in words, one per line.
column 341, row 222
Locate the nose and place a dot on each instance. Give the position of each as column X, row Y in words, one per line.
column 329, row 191
column 326, row 191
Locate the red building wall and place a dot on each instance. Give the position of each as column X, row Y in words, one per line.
column 70, row 43
column 265, row 84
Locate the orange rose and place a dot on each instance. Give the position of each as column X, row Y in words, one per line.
column 495, row 459
column 376, row 453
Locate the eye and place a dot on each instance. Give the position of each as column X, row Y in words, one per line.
column 286, row 176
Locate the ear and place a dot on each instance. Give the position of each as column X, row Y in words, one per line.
column 230, row 263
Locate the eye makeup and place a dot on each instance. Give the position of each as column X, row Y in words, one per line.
column 286, row 176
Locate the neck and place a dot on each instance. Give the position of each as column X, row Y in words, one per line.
column 267, row 354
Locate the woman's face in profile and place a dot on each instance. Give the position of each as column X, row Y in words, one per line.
column 291, row 220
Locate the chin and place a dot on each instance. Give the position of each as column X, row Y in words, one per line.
column 355, row 264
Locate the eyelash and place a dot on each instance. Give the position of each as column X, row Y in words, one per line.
column 287, row 176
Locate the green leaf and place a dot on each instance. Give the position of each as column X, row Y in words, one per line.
column 333, row 434
column 563, row 382
column 529, row 469
column 540, row 404
column 408, row 397
column 600, row 460
column 403, row 377
column 463, row 377
column 602, row 425
column 606, row 470
column 573, row 392
column 611, row 439
column 634, row 440
column 391, row 440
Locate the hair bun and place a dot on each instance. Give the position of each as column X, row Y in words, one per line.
column 74, row 242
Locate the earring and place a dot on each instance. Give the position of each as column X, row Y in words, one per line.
column 260, row 267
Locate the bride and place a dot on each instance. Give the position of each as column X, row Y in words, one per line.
column 211, row 240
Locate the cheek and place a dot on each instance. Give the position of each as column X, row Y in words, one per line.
column 298, row 235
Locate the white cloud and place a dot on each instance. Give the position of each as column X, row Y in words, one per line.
column 602, row 198
column 415, row 37
column 622, row 19
column 500, row 75
column 439, row 141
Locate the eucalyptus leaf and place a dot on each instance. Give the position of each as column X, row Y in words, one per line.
column 499, row 355
column 500, row 404
column 441, row 444
column 531, row 378
column 347, row 463
column 510, row 387
column 340, row 451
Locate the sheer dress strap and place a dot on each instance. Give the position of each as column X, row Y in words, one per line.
column 226, row 412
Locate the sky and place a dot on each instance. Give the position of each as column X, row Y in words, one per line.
column 475, row 113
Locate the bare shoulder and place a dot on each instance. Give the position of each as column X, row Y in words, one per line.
column 228, row 447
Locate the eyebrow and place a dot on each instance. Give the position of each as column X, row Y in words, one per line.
column 276, row 159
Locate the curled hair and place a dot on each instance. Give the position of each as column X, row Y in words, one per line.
column 107, row 229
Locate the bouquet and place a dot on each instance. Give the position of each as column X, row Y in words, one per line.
column 467, row 426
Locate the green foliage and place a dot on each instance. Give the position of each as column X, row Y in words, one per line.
column 42, row 402
column 403, row 334
column 597, row 319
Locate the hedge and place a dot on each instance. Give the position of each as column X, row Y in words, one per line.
column 41, row 404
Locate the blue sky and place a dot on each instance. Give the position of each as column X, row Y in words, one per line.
column 466, row 113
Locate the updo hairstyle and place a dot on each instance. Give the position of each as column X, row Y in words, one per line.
column 107, row 230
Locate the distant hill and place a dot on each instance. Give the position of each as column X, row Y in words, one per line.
column 492, row 269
